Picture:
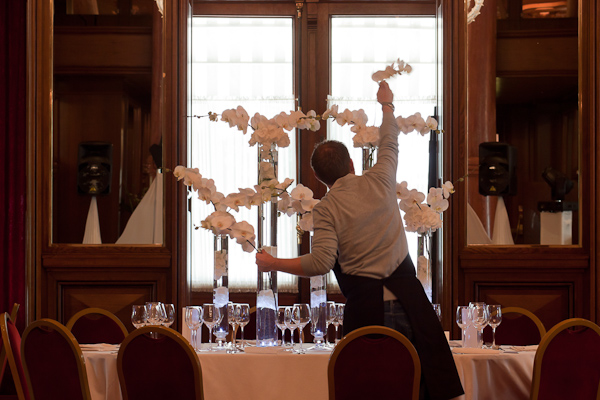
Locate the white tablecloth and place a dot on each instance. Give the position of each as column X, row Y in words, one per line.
column 274, row 376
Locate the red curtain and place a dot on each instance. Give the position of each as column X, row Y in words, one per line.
column 12, row 155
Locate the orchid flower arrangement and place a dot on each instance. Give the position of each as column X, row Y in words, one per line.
column 420, row 216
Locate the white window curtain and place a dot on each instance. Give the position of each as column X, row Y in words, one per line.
column 361, row 46
column 247, row 62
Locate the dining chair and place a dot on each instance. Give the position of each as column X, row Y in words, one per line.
column 97, row 325
column 11, row 349
column 53, row 362
column 13, row 317
column 374, row 362
column 154, row 353
column 567, row 362
column 519, row 327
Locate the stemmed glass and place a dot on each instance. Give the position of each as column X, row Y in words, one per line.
column 242, row 317
column 280, row 322
column 193, row 320
column 169, row 315
column 495, row 312
column 212, row 317
column 156, row 312
column 231, row 318
column 438, row 311
column 480, row 316
column 332, row 309
column 139, row 316
column 340, row 313
column 290, row 323
column 463, row 320
column 301, row 316
column 330, row 312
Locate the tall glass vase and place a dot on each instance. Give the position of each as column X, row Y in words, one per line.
column 318, row 308
column 368, row 158
column 221, row 287
column 424, row 263
column 266, row 288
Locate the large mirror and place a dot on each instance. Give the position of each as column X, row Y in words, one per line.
column 523, row 124
column 107, row 108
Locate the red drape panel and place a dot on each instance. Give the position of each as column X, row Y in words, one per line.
column 12, row 155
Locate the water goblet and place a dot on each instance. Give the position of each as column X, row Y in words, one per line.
column 242, row 317
column 463, row 320
column 301, row 316
column 280, row 322
column 340, row 307
column 231, row 319
column 330, row 312
column 193, row 320
column 289, row 322
column 495, row 311
column 156, row 312
column 212, row 317
column 169, row 315
column 480, row 316
column 139, row 316
column 332, row 309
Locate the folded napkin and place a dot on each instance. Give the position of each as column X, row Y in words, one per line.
column 472, row 350
column 532, row 347
column 99, row 347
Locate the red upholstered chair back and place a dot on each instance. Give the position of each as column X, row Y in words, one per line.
column 519, row 327
column 53, row 361
column 143, row 361
column 374, row 362
column 567, row 362
column 96, row 325
column 11, row 347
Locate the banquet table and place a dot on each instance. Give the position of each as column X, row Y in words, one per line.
column 271, row 373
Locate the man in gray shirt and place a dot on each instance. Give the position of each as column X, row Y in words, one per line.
column 358, row 232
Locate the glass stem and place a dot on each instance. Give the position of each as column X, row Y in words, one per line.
column 243, row 343
column 292, row 336
column 494, row 337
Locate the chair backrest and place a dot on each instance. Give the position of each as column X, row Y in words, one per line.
column 567, row 362
column 144, row 358
column 53, row 362
column 13, row 318
column 97, row 325
column 374, row 362
column 11, row 347
column 519, row 327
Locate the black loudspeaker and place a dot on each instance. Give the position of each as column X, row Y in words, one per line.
column 497, row 169
column 94, row 173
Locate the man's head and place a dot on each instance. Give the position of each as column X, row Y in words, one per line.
column 330, row 161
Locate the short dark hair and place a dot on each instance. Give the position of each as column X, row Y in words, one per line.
column 330, row 161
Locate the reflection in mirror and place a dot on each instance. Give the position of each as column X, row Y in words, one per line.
column 107, row 107
column 523, row 124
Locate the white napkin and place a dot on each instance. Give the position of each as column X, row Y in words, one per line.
column 473, row 350
column 532, row 347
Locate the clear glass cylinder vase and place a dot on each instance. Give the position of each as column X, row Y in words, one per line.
column 424, row 263
column 221, row 286
column 368, row 158
column 318, row 308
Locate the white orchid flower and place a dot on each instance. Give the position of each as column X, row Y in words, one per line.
column 220, row 264
column 306, row 222
column 333, row 111
column 219, row 222
column 403, row 125
column 266, row 171
column 435, row 195
column 402, row 191
column 431, row 123
column 308, row 204
column 243, row 233
column 448, row 189
column 285, row 184
column 284, row 202
column 301, row 192
column 344, row 118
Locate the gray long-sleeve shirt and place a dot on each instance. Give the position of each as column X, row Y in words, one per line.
column 360, row 219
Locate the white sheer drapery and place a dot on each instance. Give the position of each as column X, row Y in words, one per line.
column 247, row 62
column 361, row 46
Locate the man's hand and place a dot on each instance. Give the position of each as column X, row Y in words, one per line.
column 264, row 261
column 384, row 94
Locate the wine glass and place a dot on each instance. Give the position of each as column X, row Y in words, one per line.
column 438, row 311
column 280, row 322
column 480, row 316
column 495, row 319
column 193, row 320
column 289, row 322
column 156, row 312
column 242, row 317
column 463, row 320
column 330, row 312
column 169, row 315
column 332, row 309
column 139, row 316
column 212, row 317
column 341, row 307
column 231, row 319
column 301, row 316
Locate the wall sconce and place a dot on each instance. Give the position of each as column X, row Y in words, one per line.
column 474, row 12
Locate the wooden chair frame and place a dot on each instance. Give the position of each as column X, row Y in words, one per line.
column 8, row 353
column 529, row 314
column 47, row 323
column 546, row 340
column 174, row 335
column 369, row 330
column 95, row 310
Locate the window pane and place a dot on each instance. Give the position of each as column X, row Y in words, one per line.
column 247, row 62
column 361, row 46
